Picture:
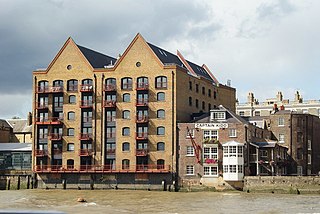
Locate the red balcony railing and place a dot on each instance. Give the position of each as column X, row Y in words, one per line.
column 55, row 136
column 110, row 87
column 142, row 86
column 48, row 121
column 85, row 152
column 86, row 88
column 141, row 152
column 111, row 151
column 109, row 104
column 86, row 103
column 142, row 135
column 142, row 119
column 110, row 134
column 42, row 105
column 49, row 89
column 40, row 152
column 103, row 168
column 85, row 136
column 57, row 151
column 142, row 102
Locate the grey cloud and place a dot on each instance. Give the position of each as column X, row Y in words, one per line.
column 274, row 10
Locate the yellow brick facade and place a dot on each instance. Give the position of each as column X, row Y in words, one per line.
column 176, row 107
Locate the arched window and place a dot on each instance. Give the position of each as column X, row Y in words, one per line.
column 70, row 147
column 126, row 83
column 209, row 92
column 58, row 83
column 161, row 82
column 214, row 95
column 126, row 131
column 160, row 130
column 125, row 146
column 160, row 164
column 197, row 103
column 161, row 96
column 126, row 114
column 142, row 83
column 70, row 163
column 209, row 106
column 43, row 86
column 72, row 99
column 87, row 85
column 203, row 90
column 126, row 97
column 72, row 85
column 203, row 105
column 125, row 164
column 160, row 146
column 71, row 115
column 161, row 114
column 111, row 84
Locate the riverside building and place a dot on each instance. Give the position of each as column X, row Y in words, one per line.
column 220, row 148
column 113, row 120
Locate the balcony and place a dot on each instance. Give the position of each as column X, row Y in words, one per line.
column 49, row 89
column 86, row 88
column 142, row 135
column 85, row 152
column 57, row 151
column 111, row 118
column 110, row 87
column 42, row 105
column 48, row 121
column 110, row 135
column 109, row 103
column 141, row 152
column 142, row 102
column 142, row 119
column 142, row 86
column 111, row 152
column 86, row 103
column 55, row 136
column 40, row 152
column 102, row 168
column 85, row 136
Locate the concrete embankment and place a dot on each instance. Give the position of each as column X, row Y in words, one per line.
column 13, row 180
column 282, row 184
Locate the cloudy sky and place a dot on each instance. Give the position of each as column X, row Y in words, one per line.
column 263, row 46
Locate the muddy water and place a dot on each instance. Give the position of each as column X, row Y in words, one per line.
column 120, row 201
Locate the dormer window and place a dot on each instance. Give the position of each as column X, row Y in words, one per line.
column 218, row 115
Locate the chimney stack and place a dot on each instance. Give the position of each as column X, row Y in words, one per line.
column 29, row 118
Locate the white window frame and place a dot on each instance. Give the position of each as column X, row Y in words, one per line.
column 190, row 151
column 210, row 135
column 189, row 170
column 309, row 159
column 281, row 138
column 210, row 171
column 210, row 153
column 280, row 121
column 232, row 132
column 192, row 133
column 218, row 115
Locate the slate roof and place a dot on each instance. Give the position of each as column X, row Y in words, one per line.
column 16, row 147
column 4, row 123
column 168, row 58
column 20, row 125
column 96, row 59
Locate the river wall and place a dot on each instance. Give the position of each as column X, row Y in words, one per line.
column 282, row 184
column 14, row 180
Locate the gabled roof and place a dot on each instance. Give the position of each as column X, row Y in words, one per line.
column 169, row 58
column 20, row 125
column 4, row 123
column 96, row 59
column 165, row 56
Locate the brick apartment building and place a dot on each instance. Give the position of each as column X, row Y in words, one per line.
column 97, row 115
column 221, row 148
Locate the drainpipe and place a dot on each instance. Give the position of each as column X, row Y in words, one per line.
column 34, row 126
column 95, row 118
column 173, row 127
column 102, row 123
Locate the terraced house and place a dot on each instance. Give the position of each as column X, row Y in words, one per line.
column 115, row 118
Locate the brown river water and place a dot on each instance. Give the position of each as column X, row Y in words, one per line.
column 123, row 201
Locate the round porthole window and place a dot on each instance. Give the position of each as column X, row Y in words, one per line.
column 69, row 67
column 138, row 64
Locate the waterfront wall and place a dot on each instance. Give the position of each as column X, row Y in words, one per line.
column 282, row 184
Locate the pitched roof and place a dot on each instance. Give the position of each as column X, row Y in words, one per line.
column 4, row 123
column 96, row 59
column 16, row 147
column 20, row 125
column 169, row 58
